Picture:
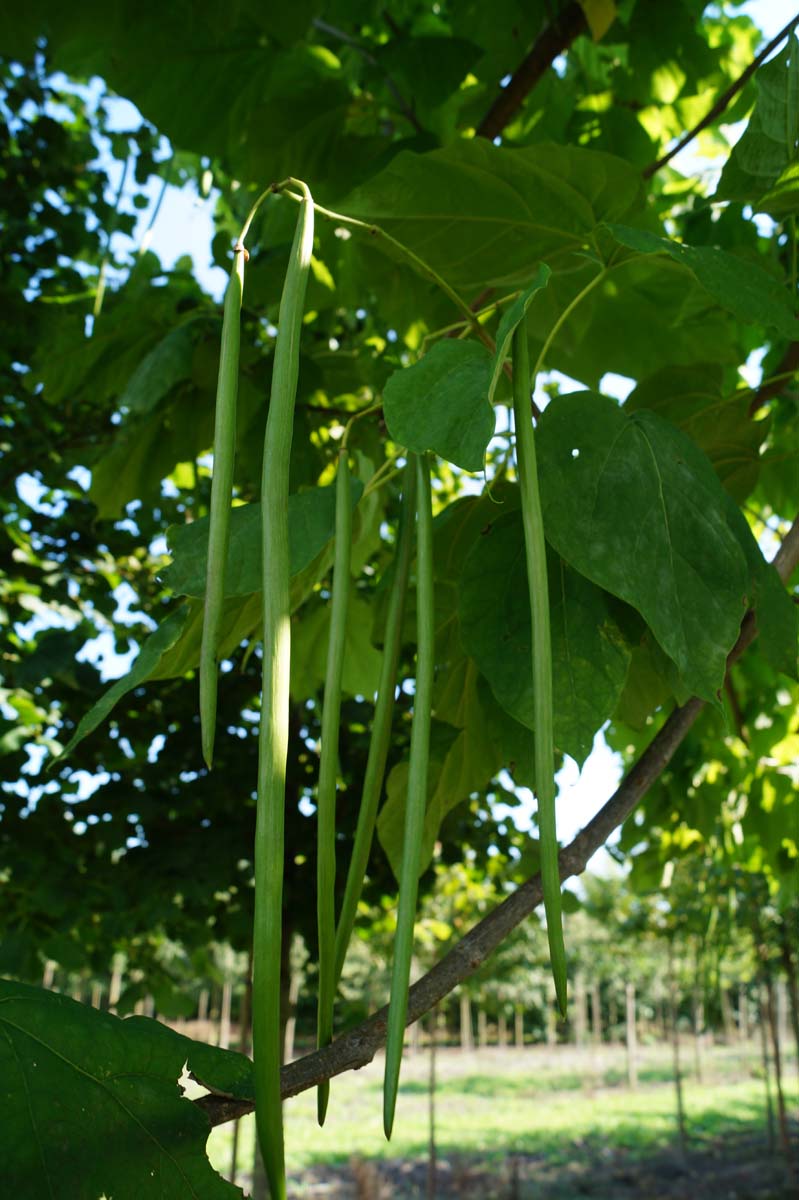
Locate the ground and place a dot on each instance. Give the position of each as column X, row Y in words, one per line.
column 550, row 1123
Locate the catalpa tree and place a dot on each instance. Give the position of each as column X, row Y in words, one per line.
column 417, row 548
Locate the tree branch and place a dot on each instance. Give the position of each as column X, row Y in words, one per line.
column 789, row 362
column 358, row 1047
column 551, row 42
column 724, row 99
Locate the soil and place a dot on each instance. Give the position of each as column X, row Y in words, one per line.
column 738, row 1169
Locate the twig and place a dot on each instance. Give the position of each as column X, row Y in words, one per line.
column 358, row 1047
column 724, row 99
column 787, row 365
column 551, row 42
column 348, row 40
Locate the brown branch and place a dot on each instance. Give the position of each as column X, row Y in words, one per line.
column 724, row 99
column 358, row 1047
column 788, row 362
column 551, row 42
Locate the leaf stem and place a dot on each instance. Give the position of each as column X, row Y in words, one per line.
column 563, row 318
column 376, row 231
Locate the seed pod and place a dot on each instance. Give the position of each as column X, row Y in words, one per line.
column 328, row 768
column 274, row 728
column 381, row 724
column 417, row 792
column 536, row 559
column 221, row 486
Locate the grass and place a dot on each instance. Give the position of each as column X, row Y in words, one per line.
column 555, row 1104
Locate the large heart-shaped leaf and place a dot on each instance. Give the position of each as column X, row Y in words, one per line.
column 441, row 403
column 634, row 505
column 589, row 656
column 90, row 1104
column 738, row 285
column 486, row 215
column 312, row 517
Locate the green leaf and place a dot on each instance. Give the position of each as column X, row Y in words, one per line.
column 484, row 215
column 694, row 399
column 646, row 687
column 149, row 656
column 776, row 614
column 645, row 314
column 460, row 763
column 589, row 656
column 761, row 166
column 429, row 68
column 90, row 1104
column 441, row 403
column 168, row 363
column 739, row 286
column 634, row 505
column 241, row 618
column 510, row 320
column 362, row 660
column 311, row 522
column 145, row 451
column 778, row 623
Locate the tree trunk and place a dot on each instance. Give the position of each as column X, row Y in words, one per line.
column 771, row 1008
column 414, row 1035
column 596, row 1014
column 726, row 1015
column 551, row 1019
column 613, row 1016
column 743, row 1013
column 48, row 974
column 675, row 1045
column 467, row 1038
column 97, row 995
column 581, row 1009
column 482, row 1028
column 789, row 963
column 632, row 1039
column 518, row 1026
column 431, row 1110
column 115, row 986
column 202, row 1005
column 781, row 995
column 224, row 1015
column 762, row 1024
column 295, row 982
column 699, row 1032
column 502, row 1029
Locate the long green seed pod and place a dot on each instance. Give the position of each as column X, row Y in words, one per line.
column 328, row 769
column 381, row 724
column 536, row 556
column 274, row 728
column 417, row 792
column 227, row 386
